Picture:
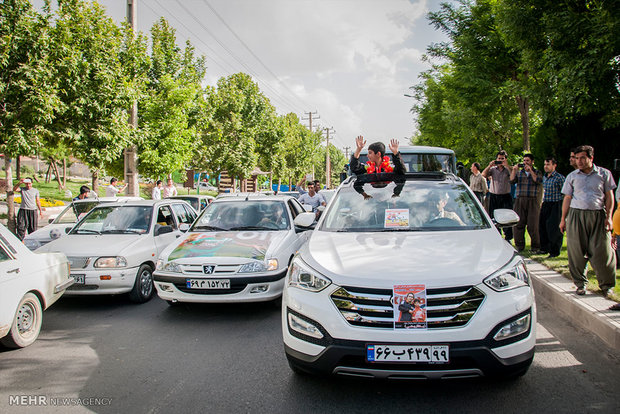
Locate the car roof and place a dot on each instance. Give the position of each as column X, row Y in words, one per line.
column 165, row 201
column 438, row 176
column 254, row 197
column 199, row 196
column 109, row 199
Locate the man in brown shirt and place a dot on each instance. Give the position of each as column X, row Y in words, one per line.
column 498, row 171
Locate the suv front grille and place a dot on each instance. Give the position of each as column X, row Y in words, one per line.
column 445, row 307
column 78, row 262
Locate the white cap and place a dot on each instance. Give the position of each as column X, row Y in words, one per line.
column 27, row 181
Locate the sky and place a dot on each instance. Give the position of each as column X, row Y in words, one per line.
column 350, row 61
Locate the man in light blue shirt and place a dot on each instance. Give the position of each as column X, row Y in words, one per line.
column 586, row 217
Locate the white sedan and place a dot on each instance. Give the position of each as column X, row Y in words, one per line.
column 238, row 250
column 63, row 222
column 29, row 283
column 113, row 249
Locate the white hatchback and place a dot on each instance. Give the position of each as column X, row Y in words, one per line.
column 114, row 248
column 29, row 283
column 407, row 277
column 238, row 250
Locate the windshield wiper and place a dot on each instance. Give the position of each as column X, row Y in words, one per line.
column 121, row 231
column 87, row 231
column 208, row 228
column 251, row 228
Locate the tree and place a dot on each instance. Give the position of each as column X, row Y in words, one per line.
column 92, row 87
column 27, row 93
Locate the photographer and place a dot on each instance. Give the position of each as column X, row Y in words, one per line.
column 529, row 185
column 498, row 171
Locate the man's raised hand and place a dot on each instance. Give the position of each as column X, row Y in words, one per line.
column 393, row 146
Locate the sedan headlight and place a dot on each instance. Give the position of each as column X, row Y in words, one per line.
column 300, row 275
column 110, row 262
column 513, row 275
column 256, row 267
column 173, row 267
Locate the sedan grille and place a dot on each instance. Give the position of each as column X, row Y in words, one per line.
column 446, row 307
column 199, row 269
column 78, row 262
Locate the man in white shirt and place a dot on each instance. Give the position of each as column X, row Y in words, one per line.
column 156, row 194
column 111, row 190
column 170, row 190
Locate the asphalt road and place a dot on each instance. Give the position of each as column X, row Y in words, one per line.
column 117, row 357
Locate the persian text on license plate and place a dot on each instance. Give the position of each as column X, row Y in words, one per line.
column 207, row 283
column 79, row 279
column 433, row 354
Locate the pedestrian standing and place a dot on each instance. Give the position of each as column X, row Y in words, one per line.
column 529, row 187
column 498, row 171
column 571, row 160
column 551, row 210
column 478, row 183
column 156, row 194
column 111, row 190
column 586, row 218
column 27, row 218
column 170, row 190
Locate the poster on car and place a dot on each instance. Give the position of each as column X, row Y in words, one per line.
column 395, row 217
column 409, row 307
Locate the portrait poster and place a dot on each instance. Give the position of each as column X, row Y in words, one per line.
column 409, row 307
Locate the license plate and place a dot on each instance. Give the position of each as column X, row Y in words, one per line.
column 207, row 283
column 79, row 279
column 431, row 354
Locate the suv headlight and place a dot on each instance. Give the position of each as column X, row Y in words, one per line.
column 300, row 275
column 256, row 267
column 512, row 276
column 110, row 262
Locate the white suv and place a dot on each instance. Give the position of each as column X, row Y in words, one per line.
column 407, row 277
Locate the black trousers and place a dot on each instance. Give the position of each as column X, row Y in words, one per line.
column 26, row 222
column 549, row 227
column 501, row 201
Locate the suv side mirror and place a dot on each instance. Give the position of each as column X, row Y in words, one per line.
column 505, row 217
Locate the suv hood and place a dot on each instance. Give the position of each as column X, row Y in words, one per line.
column 43, row 234
column 439, row 259
column 93, row 245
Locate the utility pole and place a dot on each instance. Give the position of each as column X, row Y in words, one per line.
column 328, row 170
column 310, row 118
column 130, row 153
column 346, row 152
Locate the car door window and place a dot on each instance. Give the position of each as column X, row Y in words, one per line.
column 4, row 255
column 295, row 207
column 181, row 213
column 191, row 214
column 165, row 218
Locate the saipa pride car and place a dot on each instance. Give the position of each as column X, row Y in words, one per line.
column 407, row 277
column 237, row 250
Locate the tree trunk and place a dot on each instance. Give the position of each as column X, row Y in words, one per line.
column 9, row 194
column 64, row 172
column 279, row 184
column 47, row 173
column 95, row 181
column 56, row 173
column 524, row 110
column 18, row 167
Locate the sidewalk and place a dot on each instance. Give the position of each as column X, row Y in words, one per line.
column 589, row 312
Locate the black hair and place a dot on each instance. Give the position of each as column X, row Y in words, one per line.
column 377, row 147
column 502, row 152
column 84, row 189
column 587, row 149
column 477, row 165
column 528, row 155
column 158, row 182
column 552, row 160
column 113, row 180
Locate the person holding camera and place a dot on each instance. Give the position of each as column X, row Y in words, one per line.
column 498, row 171
column 529, row 185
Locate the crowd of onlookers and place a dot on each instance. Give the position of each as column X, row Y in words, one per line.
column 549, row 205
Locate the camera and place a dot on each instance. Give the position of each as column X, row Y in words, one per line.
column 498, row 162
column 521, row 165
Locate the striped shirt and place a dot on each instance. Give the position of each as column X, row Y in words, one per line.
column 526, row 186
column 588, row 190
column 500, row 180
column 552, row 186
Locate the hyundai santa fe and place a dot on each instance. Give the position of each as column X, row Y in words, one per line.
column 406, row 276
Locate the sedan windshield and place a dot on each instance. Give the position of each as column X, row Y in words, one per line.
column 75, row 211
column 412, row 205
column 116, row 220
column 243, row 215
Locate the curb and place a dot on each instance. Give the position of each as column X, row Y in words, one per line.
column 590, row 312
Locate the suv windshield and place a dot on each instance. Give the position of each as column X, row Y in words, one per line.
column 116, row 220
column 409, row 205
column 73, row 212
column 245, row 215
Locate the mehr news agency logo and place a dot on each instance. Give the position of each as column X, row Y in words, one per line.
column 44, row 400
